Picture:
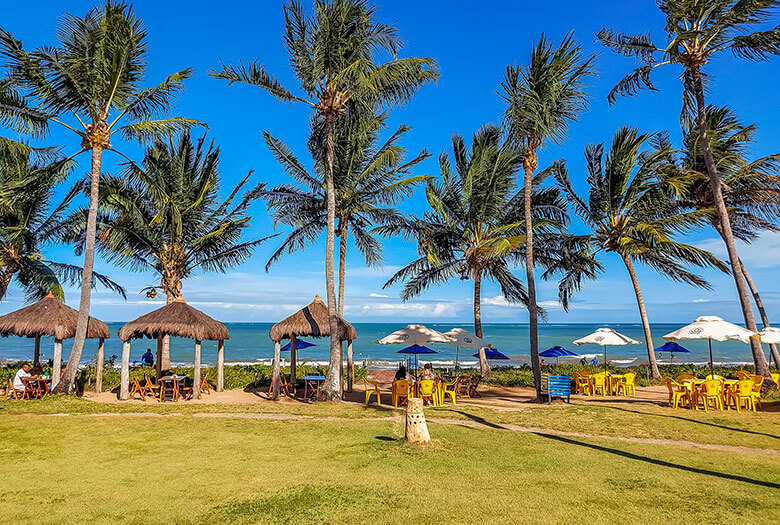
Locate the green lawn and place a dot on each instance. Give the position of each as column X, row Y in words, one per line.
column 181, row 469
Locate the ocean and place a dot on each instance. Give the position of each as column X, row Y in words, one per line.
column 249, row 343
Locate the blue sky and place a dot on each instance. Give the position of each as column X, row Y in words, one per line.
column 473, row 43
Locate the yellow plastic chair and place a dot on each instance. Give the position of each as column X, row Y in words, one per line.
column 678, row 394
column 450, row 388
column 758, row 382
column 684, row 377
column 372, row 389
column 626, row 384
column 776, row 379
column 716, row 377
column 710, row 394
column 427, row 389
column 582, row 383
column 743, row 391
column 401, row 389
column 744, row 374
column 598, row 381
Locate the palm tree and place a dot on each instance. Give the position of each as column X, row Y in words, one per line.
column 166, row 216
column 371, row 178
column 631, row 211
column 476, row 226
column 751, row 190
column 332, row 53
column 91, row 78
column 698, row 31
column 31, row 221
column 543, row 98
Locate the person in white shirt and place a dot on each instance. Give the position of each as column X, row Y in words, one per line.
column 23, row 372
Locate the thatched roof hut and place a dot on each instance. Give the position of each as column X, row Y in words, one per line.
column 311, row 321
column 51, row 317
column 177, row 319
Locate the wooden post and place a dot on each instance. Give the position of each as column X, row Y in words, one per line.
column 221, row 365
column 124, row 376
column 350, row 367
column 158, row 364
column 341, row 368
column 57, row 363
column 196, row 372
column 416, row 427
column 99, row 366
column 293, row 358
column 275, row 380
column 37, row 355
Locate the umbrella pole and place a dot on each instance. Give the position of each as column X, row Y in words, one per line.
column 457, row 351
column 712, row 370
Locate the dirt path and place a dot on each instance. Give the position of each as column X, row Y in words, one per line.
column 441, row 421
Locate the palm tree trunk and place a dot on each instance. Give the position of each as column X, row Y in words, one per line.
column 65, row 386
column 484, row 366
column 529, row 165
column 761, row 312
column 736, row 267
column 331, row 388
column 643, row 314
column 342, row 267
column 5, row 280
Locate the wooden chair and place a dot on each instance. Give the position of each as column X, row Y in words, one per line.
column 463, row 388
column 152, row 388
column 285, row 388
column 139, row 390
column 473, row 384
column 13, row 393
column 204, row 383
column 184, row 391
column 169, row 389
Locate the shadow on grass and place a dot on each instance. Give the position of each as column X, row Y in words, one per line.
column 659, row 462
column 386, row 438
column 691, row 420
column 478, row 419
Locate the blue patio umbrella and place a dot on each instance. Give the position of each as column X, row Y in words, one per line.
column 558, row 352
column 491, row 353
column 299, row 343
column 672, row 348
column 416, row 349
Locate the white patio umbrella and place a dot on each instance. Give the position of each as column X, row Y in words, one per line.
column 711, row 327
column 771, row 336
column 464, row 339
column 606, row 337
column 414, row 334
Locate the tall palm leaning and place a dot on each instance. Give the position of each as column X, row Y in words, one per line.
column 543, row 98
column 371, row 177
column 476, row 226
column 31, row 220
column 91, row 79
column 332, row 53
column 166, row 216
column 631, row 211
column 751, row 189
column 698, row 31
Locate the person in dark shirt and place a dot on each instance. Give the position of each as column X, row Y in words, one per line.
column 148, row 358
column 401, row 373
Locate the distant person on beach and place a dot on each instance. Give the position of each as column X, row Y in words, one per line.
column 148, row 358
column 23, row 372
column 428, row 373
column 594, row 361
column 542, row 363
column 583, row 361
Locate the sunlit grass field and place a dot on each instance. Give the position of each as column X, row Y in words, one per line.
column 344, row 465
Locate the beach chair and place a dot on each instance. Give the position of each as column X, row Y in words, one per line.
column 473, row 384
column 744, row 374
column 372, row 389
column 13, row 393
column 742, row 391
column 427, row 390
column 153, row 389
column 709, row 393
column 138, row 390
column 450, row 388
column 758, row 382
column 400, row 391
column 204, row 383
column 626, row 384
column 678, row 393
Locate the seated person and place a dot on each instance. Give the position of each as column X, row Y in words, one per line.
column 23, row 372
column 148, row 358
column 401, row 374
column 37, row 370
column 428, row 373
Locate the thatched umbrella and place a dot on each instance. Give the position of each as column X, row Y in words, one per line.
column 52, row 317
column 310, row 321
column 180, row 320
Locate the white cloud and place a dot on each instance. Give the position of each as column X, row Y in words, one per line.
column 701, row 300
column 498, row 300
column 415, row 310
column 762, row 253
column 372, row 294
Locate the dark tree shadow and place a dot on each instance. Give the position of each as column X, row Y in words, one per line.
column 659, row 462
column 472, row 417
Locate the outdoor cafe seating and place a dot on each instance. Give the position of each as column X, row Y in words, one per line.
column 605, row 383
column 715, row 392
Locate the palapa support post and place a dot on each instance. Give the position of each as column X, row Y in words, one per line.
column 350, row 367
column 293, row 359
column 220, row 365
column 341, row 369
column 99, row 366
column 196, row 372
column 56, row 363
column 275, row 380
column 124, row 375
column 37, row 355
column 158, row 364
column 416, row 427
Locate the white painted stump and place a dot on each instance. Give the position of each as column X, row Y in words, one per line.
column 416, row 427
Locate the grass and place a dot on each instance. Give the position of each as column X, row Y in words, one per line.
column 185, row 469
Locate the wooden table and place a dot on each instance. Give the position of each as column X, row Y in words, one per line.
column 36, row 386
column 312, row 384
column 172, row 383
